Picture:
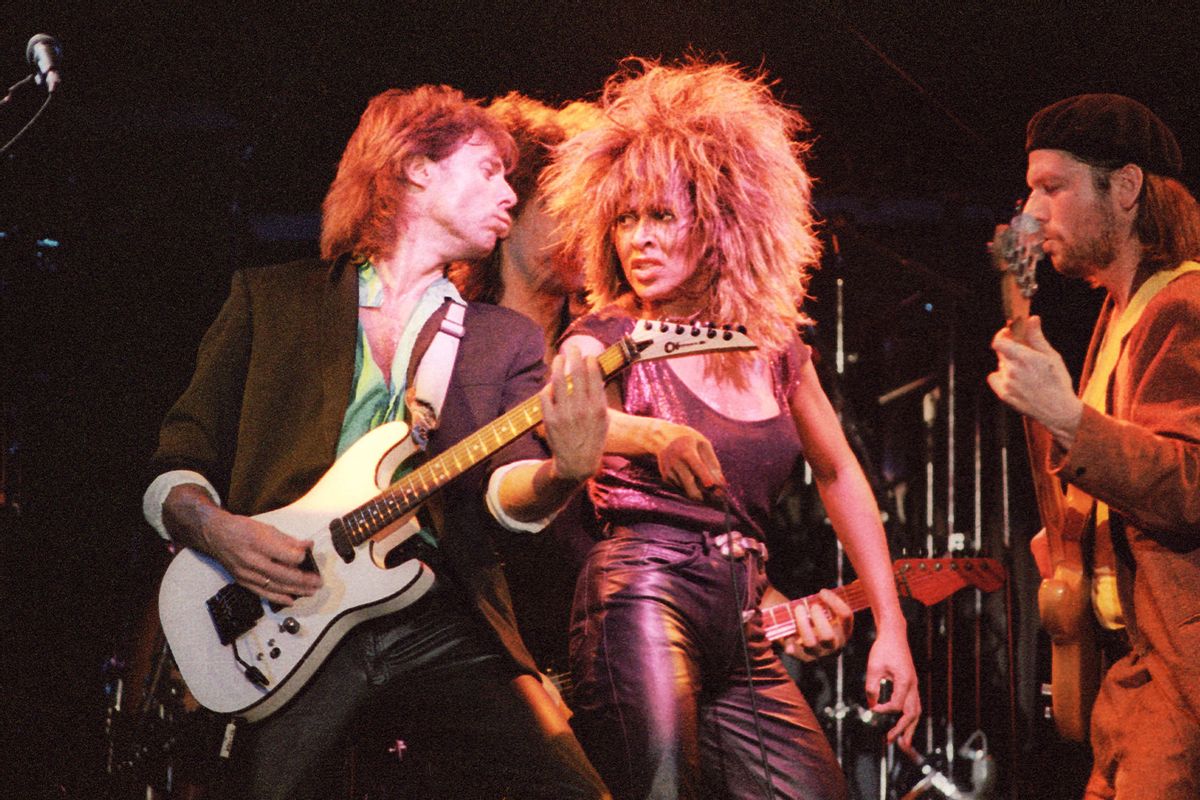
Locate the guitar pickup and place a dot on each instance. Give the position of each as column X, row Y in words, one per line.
column 234, row 610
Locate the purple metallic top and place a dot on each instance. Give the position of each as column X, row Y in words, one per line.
column 756, row 456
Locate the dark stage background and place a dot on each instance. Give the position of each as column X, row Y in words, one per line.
column 192, row 138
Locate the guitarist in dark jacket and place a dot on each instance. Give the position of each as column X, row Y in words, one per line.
column 302, row 360
column 1104, row 177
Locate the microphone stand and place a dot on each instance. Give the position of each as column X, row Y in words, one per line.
column 839, row 698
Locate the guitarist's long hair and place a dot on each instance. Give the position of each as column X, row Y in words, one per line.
column 367, row 197
column 1167, row 224
column 718, row 134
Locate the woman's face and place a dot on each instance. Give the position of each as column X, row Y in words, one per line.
column 652, row 242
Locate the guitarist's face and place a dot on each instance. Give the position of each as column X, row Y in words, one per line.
column 1078, row 219
column 465, row 198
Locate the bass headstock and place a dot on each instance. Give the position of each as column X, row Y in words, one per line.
column 1016, row 249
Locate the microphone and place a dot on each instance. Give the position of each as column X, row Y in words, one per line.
column 44, row 54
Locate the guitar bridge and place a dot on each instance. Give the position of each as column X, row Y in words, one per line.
column 234, row 610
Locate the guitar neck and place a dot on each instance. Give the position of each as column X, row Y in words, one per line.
column 413, row 489
column 1046, row 489
column 779, row 621
column 927, row 580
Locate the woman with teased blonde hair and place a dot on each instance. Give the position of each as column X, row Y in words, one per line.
column 690, row 202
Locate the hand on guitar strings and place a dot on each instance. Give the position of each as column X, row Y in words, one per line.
column 266, row 561
column 1031, row 377
column 258, row 556
column 822, row 628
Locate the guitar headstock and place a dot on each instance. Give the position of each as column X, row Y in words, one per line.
column 661, row 339
column 1016, row 249
column 932, row 580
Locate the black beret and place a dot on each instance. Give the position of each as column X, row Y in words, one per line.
column 1106, row 129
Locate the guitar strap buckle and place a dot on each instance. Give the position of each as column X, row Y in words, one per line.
column 430, row 370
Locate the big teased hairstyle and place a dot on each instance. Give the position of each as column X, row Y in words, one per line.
column 721, row 133
column 536, row 128
column 364, row 210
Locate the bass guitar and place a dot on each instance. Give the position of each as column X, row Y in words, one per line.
column 239, row 654
column 1064, row 599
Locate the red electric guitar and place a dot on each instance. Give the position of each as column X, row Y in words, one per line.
column 929, row 580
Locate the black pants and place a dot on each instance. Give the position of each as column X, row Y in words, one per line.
column 664, row 703
column 429, row 671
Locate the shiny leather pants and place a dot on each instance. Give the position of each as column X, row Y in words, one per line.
column 664, row 703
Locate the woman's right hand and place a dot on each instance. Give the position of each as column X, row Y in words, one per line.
column 686, row 459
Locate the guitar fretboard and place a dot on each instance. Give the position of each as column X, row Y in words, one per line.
column 416, row 487
column 779, row 621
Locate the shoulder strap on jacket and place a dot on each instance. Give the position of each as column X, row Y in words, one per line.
column 430, row 367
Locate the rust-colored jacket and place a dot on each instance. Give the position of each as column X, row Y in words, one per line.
column 1144, row 461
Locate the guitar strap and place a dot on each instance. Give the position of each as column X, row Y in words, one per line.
column 1105, row 600
column 430, row 367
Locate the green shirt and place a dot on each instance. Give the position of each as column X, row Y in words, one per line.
column 375, row 401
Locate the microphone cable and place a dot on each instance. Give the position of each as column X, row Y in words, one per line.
column 743, row 617
column 33, row 119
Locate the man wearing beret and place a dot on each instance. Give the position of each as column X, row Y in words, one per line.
column 1104, row 177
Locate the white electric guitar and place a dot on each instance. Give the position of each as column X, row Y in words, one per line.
column 240, row 654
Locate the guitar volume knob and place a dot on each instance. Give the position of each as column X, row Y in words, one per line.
column 290, row 625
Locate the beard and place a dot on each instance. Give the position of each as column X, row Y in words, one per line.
column 1095, row 249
